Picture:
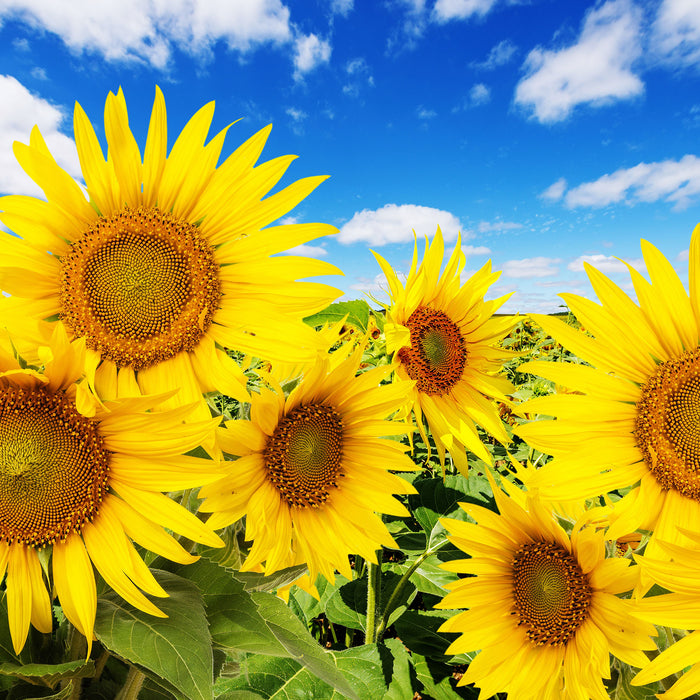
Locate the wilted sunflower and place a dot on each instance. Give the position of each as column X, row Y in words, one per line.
column 312, row 469
column 446, row 341
column 635, row 423
column 678, row 609
column 168, row 262
column 542, row 606
column 85, row 479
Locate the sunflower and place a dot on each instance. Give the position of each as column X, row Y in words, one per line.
column 444, row 338
column 312, row 469
column 678, row 609
column 85, row 478
column 542, row 605
column 168, row 262
column 634, row 422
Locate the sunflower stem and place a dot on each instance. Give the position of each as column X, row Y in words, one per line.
column 403, row 582
column 374, row 592
column 132, row 685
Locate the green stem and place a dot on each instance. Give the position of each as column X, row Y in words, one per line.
column 132, row 686
column 403, row 581
column 374, row 592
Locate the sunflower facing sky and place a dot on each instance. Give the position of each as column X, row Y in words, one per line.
column 542, row 606
column 312, row 469
column 444, row 338
column 634, row 424
column 167, row 263
column 85, row 478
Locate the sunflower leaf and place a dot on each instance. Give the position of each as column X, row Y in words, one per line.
column 357, row 313
column 260, row 623
column 418, row 630
column 175, row 652
column 438, row 681
column 403, row 674
column 366, row 668
column 49, row 674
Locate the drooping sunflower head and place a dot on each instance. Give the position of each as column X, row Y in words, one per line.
column 313, row 469
column 168, row 263
column 443, row 337
column 79, row 475
column 539, row 598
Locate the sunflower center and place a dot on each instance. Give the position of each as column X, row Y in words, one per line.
column 53, row 467
column 303, row 455
column 667, row 427
column 438, row 353
column 550, row 592
column 140, row 286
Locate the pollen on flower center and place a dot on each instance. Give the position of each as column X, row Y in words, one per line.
column 438, row 353
column 667, row 427
column 53, row 467
column 551, row 594
column 140, row 286
column 303, row 455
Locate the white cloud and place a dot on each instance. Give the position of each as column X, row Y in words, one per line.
column 309, row 251
column 359, row 74
column 497, row 226
column 395, row 223
column 476, row 250
column 676, row 181
column 15, row 125
column 375, row 286
column 342, row 7
column 446, row 10
column 298, row 115
column 425, row 113
column 149, row 30
column 480, row 94
column 39, row 73
column 604, row 263
column 309, row 52
column 675, row 33
column 595, row 70
column 527, row 268
column 555, row 191
column 499, row 55
column 683, row 256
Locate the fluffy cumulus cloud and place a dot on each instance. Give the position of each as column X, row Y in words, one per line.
column 674, row 181
column 676, row 32
column 595, row 70
column 527, row 268
column 555, row 191
column 395, row 223
column 605, row 263
column 15, row 124
column 309, row 52
column 149, row 30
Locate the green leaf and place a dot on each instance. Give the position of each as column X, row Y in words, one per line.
column 438, row 497
column 253, row 581
column 438, row 682
column 402, row 686
column 175, row 651
column 347, row 604
column 260, row 623
column 418, row 630
column 357, row 312
column 30, row 692
column 284, row 679
column 48, row 674
column 624, row 690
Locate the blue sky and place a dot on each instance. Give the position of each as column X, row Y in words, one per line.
column 546, row 131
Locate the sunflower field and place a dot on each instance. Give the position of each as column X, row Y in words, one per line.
column 218, row 481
